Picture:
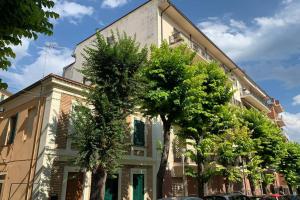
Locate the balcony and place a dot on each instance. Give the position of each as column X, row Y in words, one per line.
column 277, row 118
column 277, row 106
column 254, row 100
column 201, row 53
column 279, row 121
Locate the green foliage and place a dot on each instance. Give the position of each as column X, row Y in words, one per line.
column 164, row 76
column 233, row 146
column 98, row 144
column 268, row 137
column 19, row 19
column 100, row 126
column 208, row 91
column 254, row 168
column 290, row 164
column 163, row 93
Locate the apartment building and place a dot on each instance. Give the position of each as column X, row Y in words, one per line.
column 36, row 152
column 160, row 20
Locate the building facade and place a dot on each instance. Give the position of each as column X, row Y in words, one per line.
column 34, row 126
column 160, row 20
column 4, row 94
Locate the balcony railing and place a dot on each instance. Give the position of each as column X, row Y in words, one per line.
column 277, row 106
column 255, row 99
column 279, row 121
column 178, row 37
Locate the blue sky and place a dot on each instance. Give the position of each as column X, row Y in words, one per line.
column 262, row 37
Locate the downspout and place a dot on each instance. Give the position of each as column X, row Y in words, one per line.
column 161, row 20
column 35, row 141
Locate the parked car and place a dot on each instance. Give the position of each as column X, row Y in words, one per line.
column 230, row 196
column 257, row 197
column 291, row 197
column 260, row 197
column 273, row 197
column 181, row 198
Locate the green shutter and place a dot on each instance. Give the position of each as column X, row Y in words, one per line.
column 138, row 186
column 139, row 133
column 111, row 188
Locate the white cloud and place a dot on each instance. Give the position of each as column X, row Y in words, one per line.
column 281, row 71
column 296, row 100
column 267, row 40
column 48, row 61
column 292, row 127
column 72, row 11
column 113, row 3
column 21, row 51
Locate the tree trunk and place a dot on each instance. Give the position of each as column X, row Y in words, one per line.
column 265, row 188
column 290, row 189
column 227, row 184
column 200, row 180
column 252, row 185
column 164, row 158
column 98, row 184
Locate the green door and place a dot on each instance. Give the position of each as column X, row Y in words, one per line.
column 111, row 188
column 138, row 186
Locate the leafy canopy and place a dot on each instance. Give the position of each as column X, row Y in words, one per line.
column 164, row 75
column 100, row 127
column 232, row 146
column 290, row 164
column 268, row 137
column 26, row 18
column 204, row 108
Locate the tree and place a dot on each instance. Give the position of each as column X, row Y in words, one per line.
column 253, row 164
column 100, row 125
column 290, row 165
column 233, row 147
column 164, row 92
column 20, row 19
column 208, row 91
column 269, row 140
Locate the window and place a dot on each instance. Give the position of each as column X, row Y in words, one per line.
column 2, row 179
column 84, row 80
column 12, row 128
column 139, row 133
column 138, row 186
column 4, row 132
column 30, row 122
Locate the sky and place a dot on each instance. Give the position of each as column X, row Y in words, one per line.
column 261, row 36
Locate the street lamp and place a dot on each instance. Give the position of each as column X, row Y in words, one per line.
column 183, row 150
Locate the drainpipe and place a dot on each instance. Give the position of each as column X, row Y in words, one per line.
column 35, row 141
column 161, row 20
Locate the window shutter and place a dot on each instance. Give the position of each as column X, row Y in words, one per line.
column 13, row 128
column 139, row 133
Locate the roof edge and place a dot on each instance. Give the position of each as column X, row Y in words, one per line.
column 98, row 30
column 37, row 83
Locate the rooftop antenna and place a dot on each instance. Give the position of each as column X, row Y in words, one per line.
column 48, row 47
